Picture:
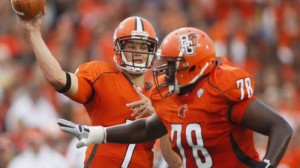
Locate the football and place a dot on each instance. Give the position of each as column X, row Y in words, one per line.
column 28, row 9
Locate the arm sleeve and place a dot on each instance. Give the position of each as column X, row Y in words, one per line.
column 238, row 110
column 238, row 87
column 85, row 79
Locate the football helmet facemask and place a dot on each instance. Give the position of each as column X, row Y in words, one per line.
column 189, row 54
column 134, row 28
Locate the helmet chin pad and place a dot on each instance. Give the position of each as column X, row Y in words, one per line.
column 133, row 70
column 130, row 67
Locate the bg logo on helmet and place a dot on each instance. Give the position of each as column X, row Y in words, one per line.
column 187, row 43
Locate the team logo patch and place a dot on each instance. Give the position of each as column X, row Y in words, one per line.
column 200, row 92
column 182, row 110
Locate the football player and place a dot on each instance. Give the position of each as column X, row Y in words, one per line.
column 205, row 104
column 104, row 89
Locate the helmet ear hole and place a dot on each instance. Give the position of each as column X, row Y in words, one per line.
column 122, row 44
column 192, row 69
column 151, row 47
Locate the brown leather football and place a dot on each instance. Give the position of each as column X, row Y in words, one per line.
column 28, row 9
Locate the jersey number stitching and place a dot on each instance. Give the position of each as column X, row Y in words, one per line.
column 245, row 84
column 191, row 129
column 129, row 152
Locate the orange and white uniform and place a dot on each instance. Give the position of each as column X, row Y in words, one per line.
column 105, row 91
column 203, row 125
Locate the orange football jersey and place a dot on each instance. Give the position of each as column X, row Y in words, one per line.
column 203, row 124
column 105, row 91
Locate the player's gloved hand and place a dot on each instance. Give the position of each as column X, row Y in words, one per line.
column 264, row 164
column 85, row 134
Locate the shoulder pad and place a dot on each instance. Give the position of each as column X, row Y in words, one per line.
column 235, row 83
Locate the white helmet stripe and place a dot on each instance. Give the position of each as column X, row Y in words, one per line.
column 139, row 26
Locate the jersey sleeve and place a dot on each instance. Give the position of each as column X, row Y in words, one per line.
column 237, row 86
column 87, row 73
column 235, row 83
column 238, row 110
column 84, row 76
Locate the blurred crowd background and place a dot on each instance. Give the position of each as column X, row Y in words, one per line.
column 262, row 36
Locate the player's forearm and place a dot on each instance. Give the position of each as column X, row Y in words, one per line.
column 172, row 158
column 128, row 133
column 278, row 141
column 50, row 68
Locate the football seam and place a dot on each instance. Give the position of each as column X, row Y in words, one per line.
column 17, row 12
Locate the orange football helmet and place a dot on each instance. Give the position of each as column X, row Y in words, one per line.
column 189, row 53
column 134, row 28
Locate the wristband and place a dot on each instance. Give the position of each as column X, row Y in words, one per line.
column 67, row 85
column 96, row 135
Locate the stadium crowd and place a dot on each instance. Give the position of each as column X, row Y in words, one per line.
column 262, row 36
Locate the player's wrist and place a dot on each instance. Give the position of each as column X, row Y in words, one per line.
column 97, row 135
column 33, row 32
column 264, row 164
